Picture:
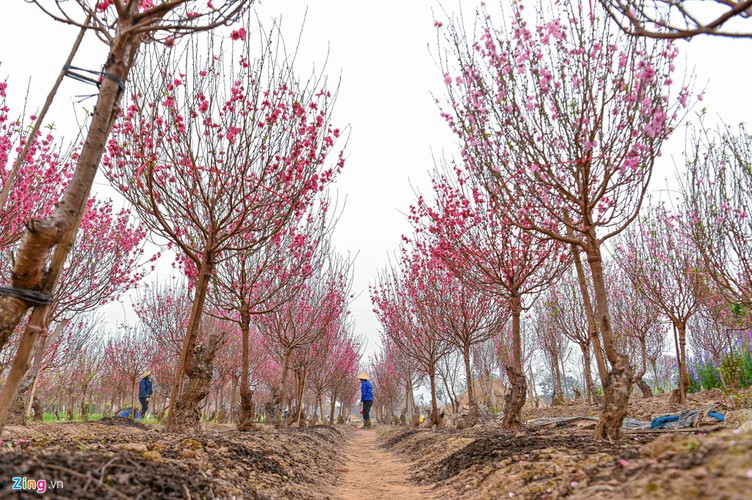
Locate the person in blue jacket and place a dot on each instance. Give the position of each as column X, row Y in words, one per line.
column 145, row 391
column 366, row 398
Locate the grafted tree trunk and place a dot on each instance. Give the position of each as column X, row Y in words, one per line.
column 680, row 345
column 683, row 372
column 185, row 365
column 17, row 412
column 187, row 414
column 38, row 412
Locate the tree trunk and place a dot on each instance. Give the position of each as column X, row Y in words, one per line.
column 592, row 394
column 234, row 397
column 279, row 400
column 683, row 372
column 185, row 367
column 619, row 380
column 301, row 392
column 589, row 313
column 557, row 397
column 333, row 405
column 683, row 383
column 321, row 407
column 564, row 379
column 435, row 420
column 38, row 411
column 472, row 417
column 644, row 387
column 245, row 419
column 187, row 415
column 84, row 410
column 514, row 399
column 17, row 412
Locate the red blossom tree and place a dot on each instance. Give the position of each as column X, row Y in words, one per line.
column 561, row 122
column 297, row 325
column 127, row 356
column 406, row 319
column 259, row 282
column 664, row 267
column 41, row 177
column 463, row 315
column 123, row 25
column 480, row 244
column 719, row 212
column 565, row 304
column 224, row 160
column 636, row 318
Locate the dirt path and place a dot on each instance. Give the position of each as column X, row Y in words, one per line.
column 372, row 472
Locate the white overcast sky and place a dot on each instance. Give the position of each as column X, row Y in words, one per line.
column 383, row 53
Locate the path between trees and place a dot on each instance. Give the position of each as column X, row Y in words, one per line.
column 372, row 472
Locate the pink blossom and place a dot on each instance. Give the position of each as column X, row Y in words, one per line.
column 103, row 4
column 238, row 34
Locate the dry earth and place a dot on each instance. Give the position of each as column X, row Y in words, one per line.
column 96, row 461
column 711, row 462
column 120, row 459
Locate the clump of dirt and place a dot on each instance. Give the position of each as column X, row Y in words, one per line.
column 115, row 461
column 121, row 421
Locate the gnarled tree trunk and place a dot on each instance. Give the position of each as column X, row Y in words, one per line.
column 187, row 414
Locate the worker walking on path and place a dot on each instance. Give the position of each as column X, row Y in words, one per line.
column 366, row 398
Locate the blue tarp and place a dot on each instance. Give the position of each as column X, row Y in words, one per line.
column 686, row 418
column 127, row 413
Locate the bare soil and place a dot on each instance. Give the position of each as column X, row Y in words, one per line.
column 371, row 471
column 96, row 461
column 118, row 458
column 565, row 461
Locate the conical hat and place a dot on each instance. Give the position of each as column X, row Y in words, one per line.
column 364, row 376
column 146, row 373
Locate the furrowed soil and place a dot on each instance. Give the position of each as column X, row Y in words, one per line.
column 118, row 458
column 123, row 459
